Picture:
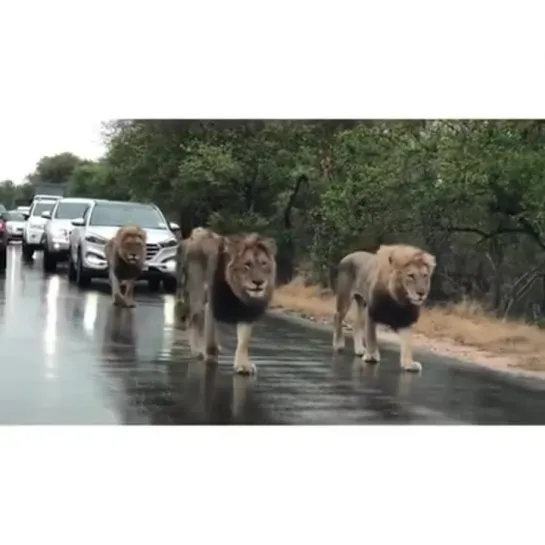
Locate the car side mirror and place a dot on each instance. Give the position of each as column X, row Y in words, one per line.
column 26, row 215
column 78, row 222
column 46, row 214
column 174, row 226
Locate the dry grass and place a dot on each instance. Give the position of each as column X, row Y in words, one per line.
column 465, row 324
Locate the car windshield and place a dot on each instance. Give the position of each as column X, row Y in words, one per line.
column 70, row 210
column 116, row 215
column 13, row 216
column 42, row 206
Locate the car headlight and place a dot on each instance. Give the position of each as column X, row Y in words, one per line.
column 60, row 233
column 170, row 243
column 94, row 239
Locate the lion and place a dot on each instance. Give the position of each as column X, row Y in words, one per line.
column 126, row 254
column 228, row 279
column 200, row 235
column 389, row 288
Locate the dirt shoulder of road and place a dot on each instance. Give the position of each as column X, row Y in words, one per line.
column 462, row 331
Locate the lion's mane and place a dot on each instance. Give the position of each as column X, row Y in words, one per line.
column 230, row 303
column 118, row 247
column 388, row 303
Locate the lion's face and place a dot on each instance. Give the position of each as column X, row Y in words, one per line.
column 407, row 270
column 251, row 269
column 132, row 247
column 416, row 281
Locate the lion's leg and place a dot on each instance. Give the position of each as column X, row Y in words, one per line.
column 117, row 296
column 129, row 293
column 343, row 304
column 359, row 326
column 243, row 365
column 182, row 297
column 406, row 355
column 196, row 330
column 211, row 350
column 371, row 353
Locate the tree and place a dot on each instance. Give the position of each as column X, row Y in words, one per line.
column 469, row 191
column 55, row 168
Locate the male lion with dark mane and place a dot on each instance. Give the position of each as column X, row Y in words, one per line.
column 389, row 288
column 126, row 254
column 228, row 279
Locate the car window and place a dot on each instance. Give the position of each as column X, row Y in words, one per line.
column 116, row 215
column 70, row 210
column 14, row 216
column 42, row 206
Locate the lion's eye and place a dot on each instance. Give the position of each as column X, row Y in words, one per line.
column 411, row 276
column 248, row 264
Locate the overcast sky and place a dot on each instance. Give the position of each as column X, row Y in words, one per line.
column 23, row 144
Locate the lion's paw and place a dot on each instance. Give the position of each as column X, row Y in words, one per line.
column 245, row 367
column 196, row 351
column 371, row 357
column 412, row 367
column 338, row 344
column 211, row 358
column 359, row 349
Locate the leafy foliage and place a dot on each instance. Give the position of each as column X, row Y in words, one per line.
column 470, row 191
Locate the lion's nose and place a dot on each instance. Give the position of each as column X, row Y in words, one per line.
column 258, row 283
column 421, row 293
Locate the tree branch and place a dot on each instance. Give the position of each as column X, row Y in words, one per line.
column 287, row 213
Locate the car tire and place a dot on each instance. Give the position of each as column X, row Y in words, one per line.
column 28, row 252
column 71, row 268
column 154, row 284
column 3, row 259
column 49, row 261
column 83, row 278
column 169, row 285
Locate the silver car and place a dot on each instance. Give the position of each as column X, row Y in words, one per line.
column 100, row 222
column 15, row 223
column 58, row 228
column 33, row 231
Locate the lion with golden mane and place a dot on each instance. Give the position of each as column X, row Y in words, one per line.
column 126, row 254
column 228, row 279
column 389, row 288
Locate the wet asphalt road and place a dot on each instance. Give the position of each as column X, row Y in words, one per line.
column 69, row 357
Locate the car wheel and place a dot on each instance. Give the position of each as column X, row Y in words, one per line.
column 71, row 268
column 169, row 285
column 49, row 262
column 154, row 284
column 3, row 258
column 27, row 251
column 83, row 278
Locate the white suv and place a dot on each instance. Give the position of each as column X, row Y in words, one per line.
column 100, row 222
column 58, row 228
column 33, row 232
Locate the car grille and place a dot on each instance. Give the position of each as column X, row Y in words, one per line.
column 151, row 251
